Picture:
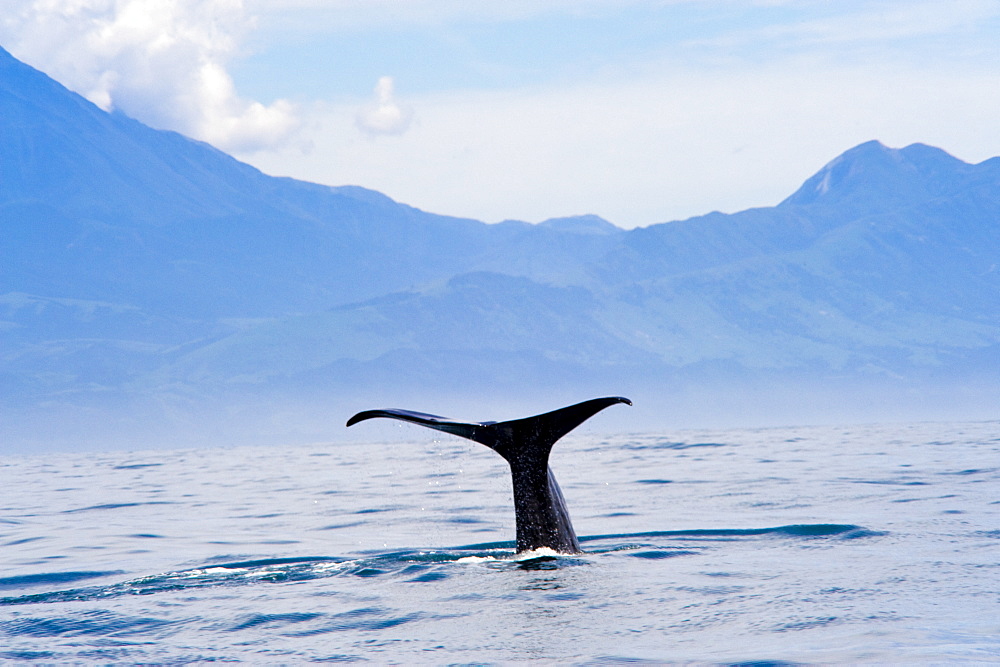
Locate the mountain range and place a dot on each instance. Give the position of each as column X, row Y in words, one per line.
column 155, row 290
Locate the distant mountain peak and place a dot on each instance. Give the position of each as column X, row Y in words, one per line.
column 581, row 224
column 6, row 58
column 873, row 167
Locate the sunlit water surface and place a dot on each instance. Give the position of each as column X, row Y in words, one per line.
column 796, row 545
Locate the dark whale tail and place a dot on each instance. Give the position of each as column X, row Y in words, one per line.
column 539, row 508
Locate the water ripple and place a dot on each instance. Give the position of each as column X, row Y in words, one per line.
column 797, row 530
column 114, row 506
column 29, row 580
column 83, row 624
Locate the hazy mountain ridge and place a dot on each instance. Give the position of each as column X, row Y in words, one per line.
column 138, row 265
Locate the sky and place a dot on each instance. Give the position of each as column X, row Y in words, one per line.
column 640, row 111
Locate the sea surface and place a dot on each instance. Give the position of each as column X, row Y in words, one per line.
column 875, row 543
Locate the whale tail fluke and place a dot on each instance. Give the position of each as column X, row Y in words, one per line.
column 472, row 431
column 536, row 435
column 507, row 438
column 540, row 511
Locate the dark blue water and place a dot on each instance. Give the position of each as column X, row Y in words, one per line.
column 797, row 545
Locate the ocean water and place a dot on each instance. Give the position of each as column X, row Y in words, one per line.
column 876, row 543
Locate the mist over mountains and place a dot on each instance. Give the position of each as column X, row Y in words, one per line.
column 155, row 290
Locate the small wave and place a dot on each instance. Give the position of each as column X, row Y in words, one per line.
column 414, row 566
column 428, row 577
column 795, row 530
column 268, row 562
column 29, row 656
column 114, row 506
column 671, row 445
column 660, row 554
column 364, row 618
column 271, row 620
column 50, row 578
column 376, row 510
column 25, row 540
column 88, row 623
column 889, row 482
column 341, row 526
column 107, row 624
column 224, row 574
column 806, row 624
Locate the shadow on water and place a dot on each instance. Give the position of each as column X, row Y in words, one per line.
column 410, row 566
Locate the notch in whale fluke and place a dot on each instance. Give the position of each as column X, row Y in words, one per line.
column 540, row 511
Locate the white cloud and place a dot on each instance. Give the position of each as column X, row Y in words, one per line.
column 160, row 61
column 384, row 115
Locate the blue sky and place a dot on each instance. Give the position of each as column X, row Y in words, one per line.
column 638, row 111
